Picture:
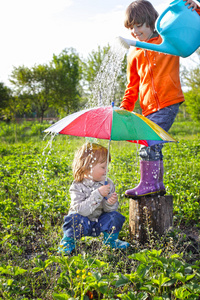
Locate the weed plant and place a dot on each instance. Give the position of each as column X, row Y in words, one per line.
column 35, row 176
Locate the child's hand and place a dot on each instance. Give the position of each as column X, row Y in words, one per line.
column 113, row 199
column 104, row 190
column 192, row 4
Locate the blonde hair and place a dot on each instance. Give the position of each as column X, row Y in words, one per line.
column 86, row 158
column 140, row 12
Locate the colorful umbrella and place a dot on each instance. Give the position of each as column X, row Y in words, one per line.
column 111, row 123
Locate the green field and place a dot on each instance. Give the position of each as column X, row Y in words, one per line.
column 35, row 176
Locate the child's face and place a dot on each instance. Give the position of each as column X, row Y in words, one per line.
column 99, row 171
column 141, row 32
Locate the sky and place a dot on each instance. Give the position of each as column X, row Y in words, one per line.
column 33, row 30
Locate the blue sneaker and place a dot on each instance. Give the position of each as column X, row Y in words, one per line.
column 111, row 239
column 67, row 245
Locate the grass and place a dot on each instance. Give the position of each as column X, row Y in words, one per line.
column 35, row 179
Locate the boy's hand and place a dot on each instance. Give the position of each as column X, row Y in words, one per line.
column 104, row 190
column 113, row 199
column 192, row 4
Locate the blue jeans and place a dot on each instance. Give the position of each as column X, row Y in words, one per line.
column 77, row 226
column 164, row 118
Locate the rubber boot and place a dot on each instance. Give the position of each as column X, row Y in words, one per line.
column 160, row 179
column 111, row 239
column 67, row 245
column 149, row 180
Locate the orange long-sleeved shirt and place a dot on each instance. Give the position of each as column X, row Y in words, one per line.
column 155, row 76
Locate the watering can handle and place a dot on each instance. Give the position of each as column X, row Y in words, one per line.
column 175, row 2
column 159, row 29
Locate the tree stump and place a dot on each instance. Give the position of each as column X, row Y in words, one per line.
column 150, row 214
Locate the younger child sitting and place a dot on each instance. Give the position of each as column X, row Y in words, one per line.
column 93, row 203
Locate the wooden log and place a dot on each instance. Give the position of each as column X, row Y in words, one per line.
column 150, row 215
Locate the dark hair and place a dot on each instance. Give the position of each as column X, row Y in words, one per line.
column 140, row 12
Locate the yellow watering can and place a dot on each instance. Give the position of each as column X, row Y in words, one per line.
column 180, row 31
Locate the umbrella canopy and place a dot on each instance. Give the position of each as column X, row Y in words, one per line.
column 111, row 123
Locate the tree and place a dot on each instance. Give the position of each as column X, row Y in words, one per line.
column 8, row 103
column 4, row 95
column 50, row 85
column 66, row 70
column 191, row 80
column 192, row 98
column 33, row 87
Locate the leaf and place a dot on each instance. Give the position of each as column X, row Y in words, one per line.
column 97, row 276
column 188, row 277
column 37, row 269
column 155, row 253
column 9, row 282
column 182, row 293
column 170, row 282
column 12, row 270
column 143, row 270
column 6, row 270
column 139, row 256
column 133, row 296
column 63, row 297
column 121, row 281
column 18, row 271
column 193, row 287
column 100, row 264
column 163, row 280
column 103, row 289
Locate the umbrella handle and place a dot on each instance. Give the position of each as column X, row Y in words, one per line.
column 106, row 182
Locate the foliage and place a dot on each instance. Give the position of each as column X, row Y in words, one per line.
column 35, row 175
column 192, row 77
column 49, row 85
column 193, row 103
column 66, row 80
column 8, row 103
column 33, row 86
column 13, row 132
column 192, row 82
column 4, row 95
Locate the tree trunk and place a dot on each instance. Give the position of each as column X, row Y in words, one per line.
column 150, row 215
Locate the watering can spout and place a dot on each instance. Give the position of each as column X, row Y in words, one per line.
column 164, row 47
column 180, row 31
